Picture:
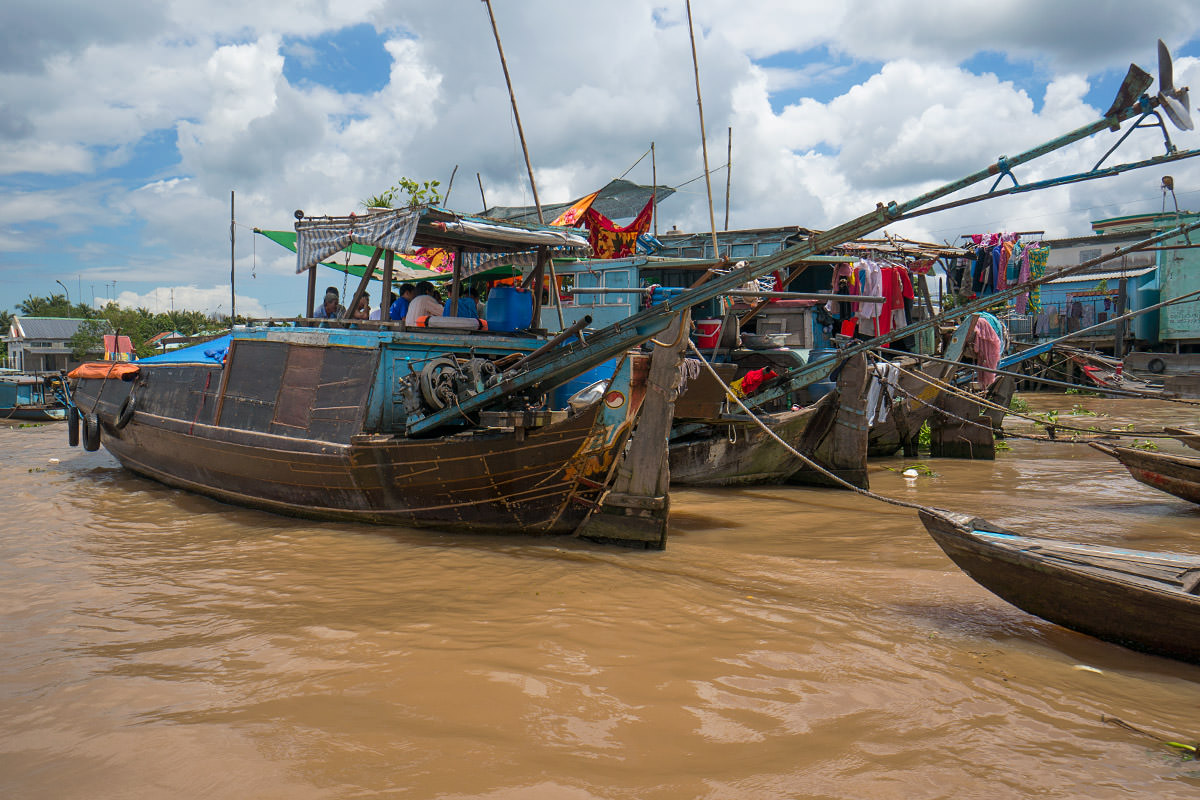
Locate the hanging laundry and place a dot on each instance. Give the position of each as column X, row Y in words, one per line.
column 987, row 350
column 871, row 277
column 1037, row 269
column 610, row 241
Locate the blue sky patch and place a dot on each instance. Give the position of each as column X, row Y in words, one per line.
column 1025, row 77
column 351, row 60
column 816, row 73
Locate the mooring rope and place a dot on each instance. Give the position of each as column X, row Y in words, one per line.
column 1134, row 393
column 984, row 402
column 803, row 458
column 1007, row 434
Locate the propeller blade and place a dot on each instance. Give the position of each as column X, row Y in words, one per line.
column 1176, row 111
column 1166, row 79
column 1136, row 82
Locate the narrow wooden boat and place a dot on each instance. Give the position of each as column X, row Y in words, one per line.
column 914, row 404
column 1172, row 474
column 739, row 452
column 1141, row 600
column 1187, row 436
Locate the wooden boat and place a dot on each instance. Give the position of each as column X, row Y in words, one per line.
column 914, row 404
column 737, row 452
column 1172, row 474
column 26, row 396
column 1143, row 601
column 1187, row 436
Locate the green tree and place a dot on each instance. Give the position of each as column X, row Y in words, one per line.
column 54, row 305
column 87, row 339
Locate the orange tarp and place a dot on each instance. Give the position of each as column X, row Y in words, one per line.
column 105, row 369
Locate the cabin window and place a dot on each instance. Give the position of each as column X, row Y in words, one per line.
column 616, row 280
column 741, row 250
column 693, row 252
column 586, row 280
column 298, row 388
column 767, row 248
column 1088, row 255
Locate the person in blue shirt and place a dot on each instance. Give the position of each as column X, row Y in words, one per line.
column 400, row 308
column 466, row 304
column 331, row 308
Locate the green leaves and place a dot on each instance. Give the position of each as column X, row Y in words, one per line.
column 412, row 193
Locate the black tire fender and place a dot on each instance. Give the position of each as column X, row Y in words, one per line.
column 1156, row 365
column 73, row 426
column 91, row 433
column 125, row 412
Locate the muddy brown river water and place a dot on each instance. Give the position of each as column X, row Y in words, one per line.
column 789, row 643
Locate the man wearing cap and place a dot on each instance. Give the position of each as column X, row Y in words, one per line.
column 331, row 308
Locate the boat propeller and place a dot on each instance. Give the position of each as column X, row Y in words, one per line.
column 1173, row 101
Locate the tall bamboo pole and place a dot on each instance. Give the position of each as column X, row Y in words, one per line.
column 516, row 114
column 528, row 166
column 654, row 193
column 728, row 175
column 232, row 277
column 712, row 222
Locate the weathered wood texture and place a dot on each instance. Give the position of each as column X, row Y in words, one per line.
column 950, row 437
column 1144, row 601
column 1172, row 474
column 644, row 473
column 839, row 444
column 540, row 482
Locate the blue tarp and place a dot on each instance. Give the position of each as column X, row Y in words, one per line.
column 210, row 352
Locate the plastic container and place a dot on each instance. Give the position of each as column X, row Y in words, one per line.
column 819, row 389
column 561, row 394
column 509, row 308
column 708, row 332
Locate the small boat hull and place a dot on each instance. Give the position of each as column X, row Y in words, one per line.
column 1185, row 435
column 1140, row 600
column 1172, row 474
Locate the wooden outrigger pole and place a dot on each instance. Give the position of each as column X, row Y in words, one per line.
column 544, row 258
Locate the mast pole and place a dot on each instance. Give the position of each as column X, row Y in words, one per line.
column 232, row 276
column 549, row 260
column 712, row 222
column 516, row 114
column 654, row 190
column 728, row 175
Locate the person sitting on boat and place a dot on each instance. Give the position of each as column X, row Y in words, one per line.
column 399, row 308
column 466, row 304
column 331, row 308
column 363, row 310
column 375, row 311
column 423, row 305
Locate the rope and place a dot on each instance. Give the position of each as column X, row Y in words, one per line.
column 983, row 401
column 1013, row 434
column 803, row 458
column 1051, row 382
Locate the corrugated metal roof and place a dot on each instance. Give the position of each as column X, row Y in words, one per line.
column 46, row 327
column 1103, row 276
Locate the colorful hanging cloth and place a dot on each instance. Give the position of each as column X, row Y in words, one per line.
column 610, row 241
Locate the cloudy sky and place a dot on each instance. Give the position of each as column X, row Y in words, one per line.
column 125, row 125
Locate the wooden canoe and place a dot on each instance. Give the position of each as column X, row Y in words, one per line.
column 1141, row 600
column 1188, row 436
column 1172, row 474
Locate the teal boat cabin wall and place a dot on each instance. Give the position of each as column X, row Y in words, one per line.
column 1170, row 270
